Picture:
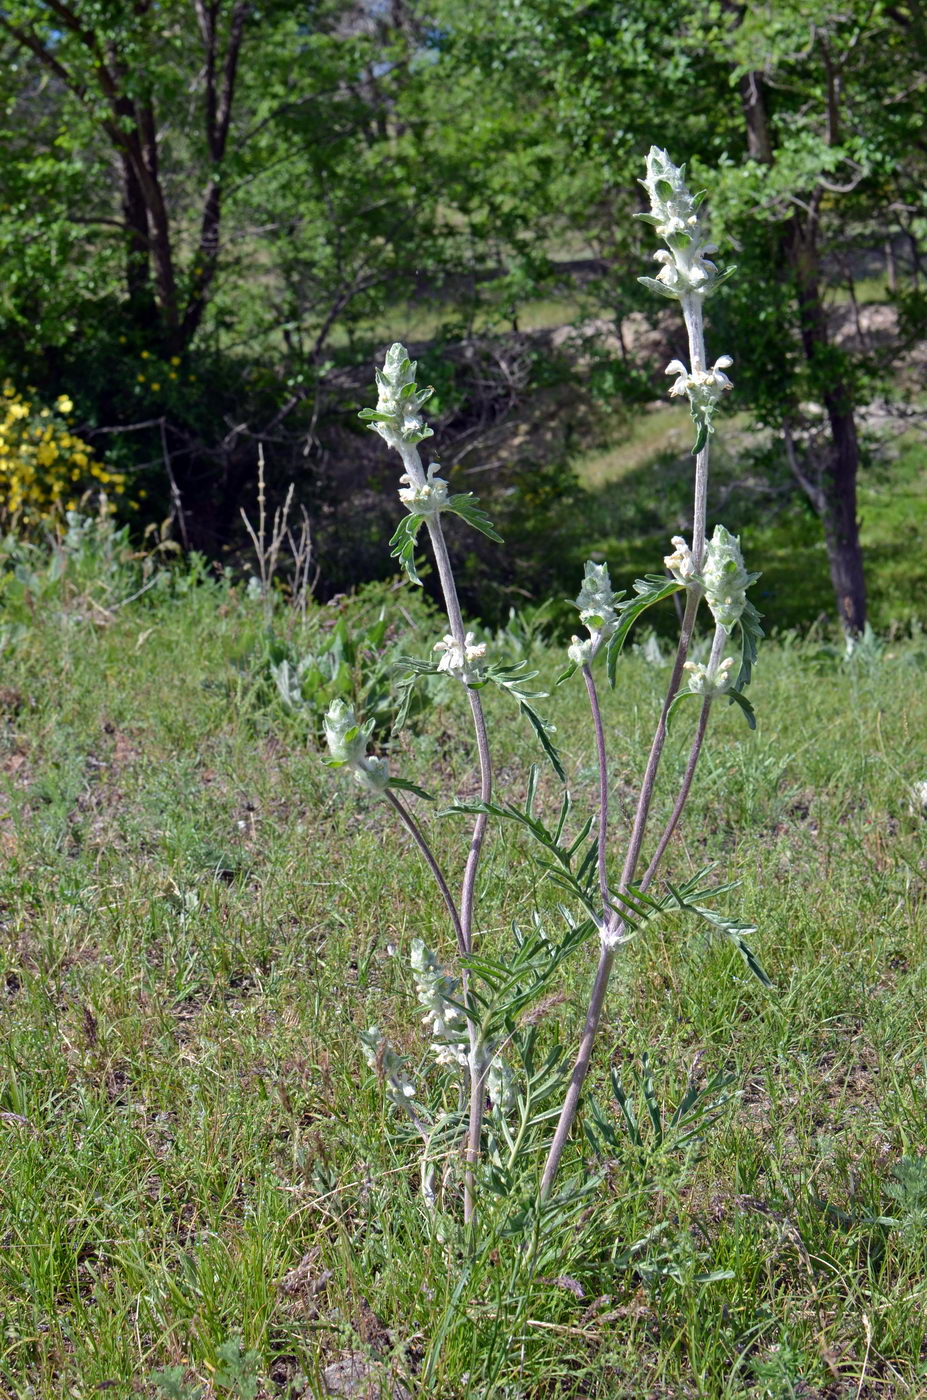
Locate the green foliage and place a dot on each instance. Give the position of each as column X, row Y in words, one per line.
column 192, row 1138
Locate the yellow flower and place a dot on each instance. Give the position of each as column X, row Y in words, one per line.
column 145, row 355
column 175, row 360
column 140, row 378
column 19, row 410
column 79, row 458
column 155, row 388
column 64, row 404
column 46, row 454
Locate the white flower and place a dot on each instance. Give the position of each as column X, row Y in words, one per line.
column 703, row 387
column 461, row 660
column 427, row 499
column 703, row 681
column 580, row 651
column 681, row 564
column 435, row 991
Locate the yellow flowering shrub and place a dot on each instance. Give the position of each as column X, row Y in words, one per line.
column 45, row 468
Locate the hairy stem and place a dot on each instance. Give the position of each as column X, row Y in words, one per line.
column 614, row 928
column 413, row 465
column 603, row 786
column 415, row 832
column 571, row 1102
column 717, row 647
column 477, row 1069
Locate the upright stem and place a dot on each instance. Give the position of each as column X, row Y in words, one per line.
column 415, row 832
column 717, row 647
column 603, row 786
column 571, row 1102
column 413, row 465
column 614, row 927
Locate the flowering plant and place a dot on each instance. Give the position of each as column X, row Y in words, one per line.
column 45, row 467
column 476, row 1013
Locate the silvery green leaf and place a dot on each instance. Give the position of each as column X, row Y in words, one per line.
column 403, row 545
column 751, row 635
column 719, row 281
column 701, row 433
column 737, row 698
column 660, row 288
column 468, row 508
column 652, row 589
column 405, row 786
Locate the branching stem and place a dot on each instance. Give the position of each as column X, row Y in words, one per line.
column 614, row 928
column 418, row 837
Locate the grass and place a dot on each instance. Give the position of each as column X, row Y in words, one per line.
column 199, row 1177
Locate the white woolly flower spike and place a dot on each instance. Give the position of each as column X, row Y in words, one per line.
column 397, row 416
column 382, row 1059
column 347, row 744
column 435, row 990
column 725, row 578
column 596, row 603
column 463, row 661
column 685, row 265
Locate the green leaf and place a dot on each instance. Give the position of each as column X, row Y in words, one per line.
column 732, row 929
column 405, row 786
column 682, row 695
column 660, row 288
column 402, row 545
column 468, row 508
column 514, row 679
column 751, row 634
column 543, row 731
column 737, row 698
column 649, row 590
column 701, row 434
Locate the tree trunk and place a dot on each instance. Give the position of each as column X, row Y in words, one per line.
column 834, row 496
column 838, row 500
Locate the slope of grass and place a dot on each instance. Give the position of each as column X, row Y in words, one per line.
column 200, row 1177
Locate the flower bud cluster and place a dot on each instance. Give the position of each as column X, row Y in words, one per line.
column 428, row 498
column 702, row 387
column 501, row 1086
column 347, row 743
column 725, row 579
column 461, row 660
column 397, row 416
column 436, row 991
column 685, row 267
column 383, row 1060
column 704, row 680
column 596, row 603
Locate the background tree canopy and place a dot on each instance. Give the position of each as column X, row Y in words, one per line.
column 214, row 215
